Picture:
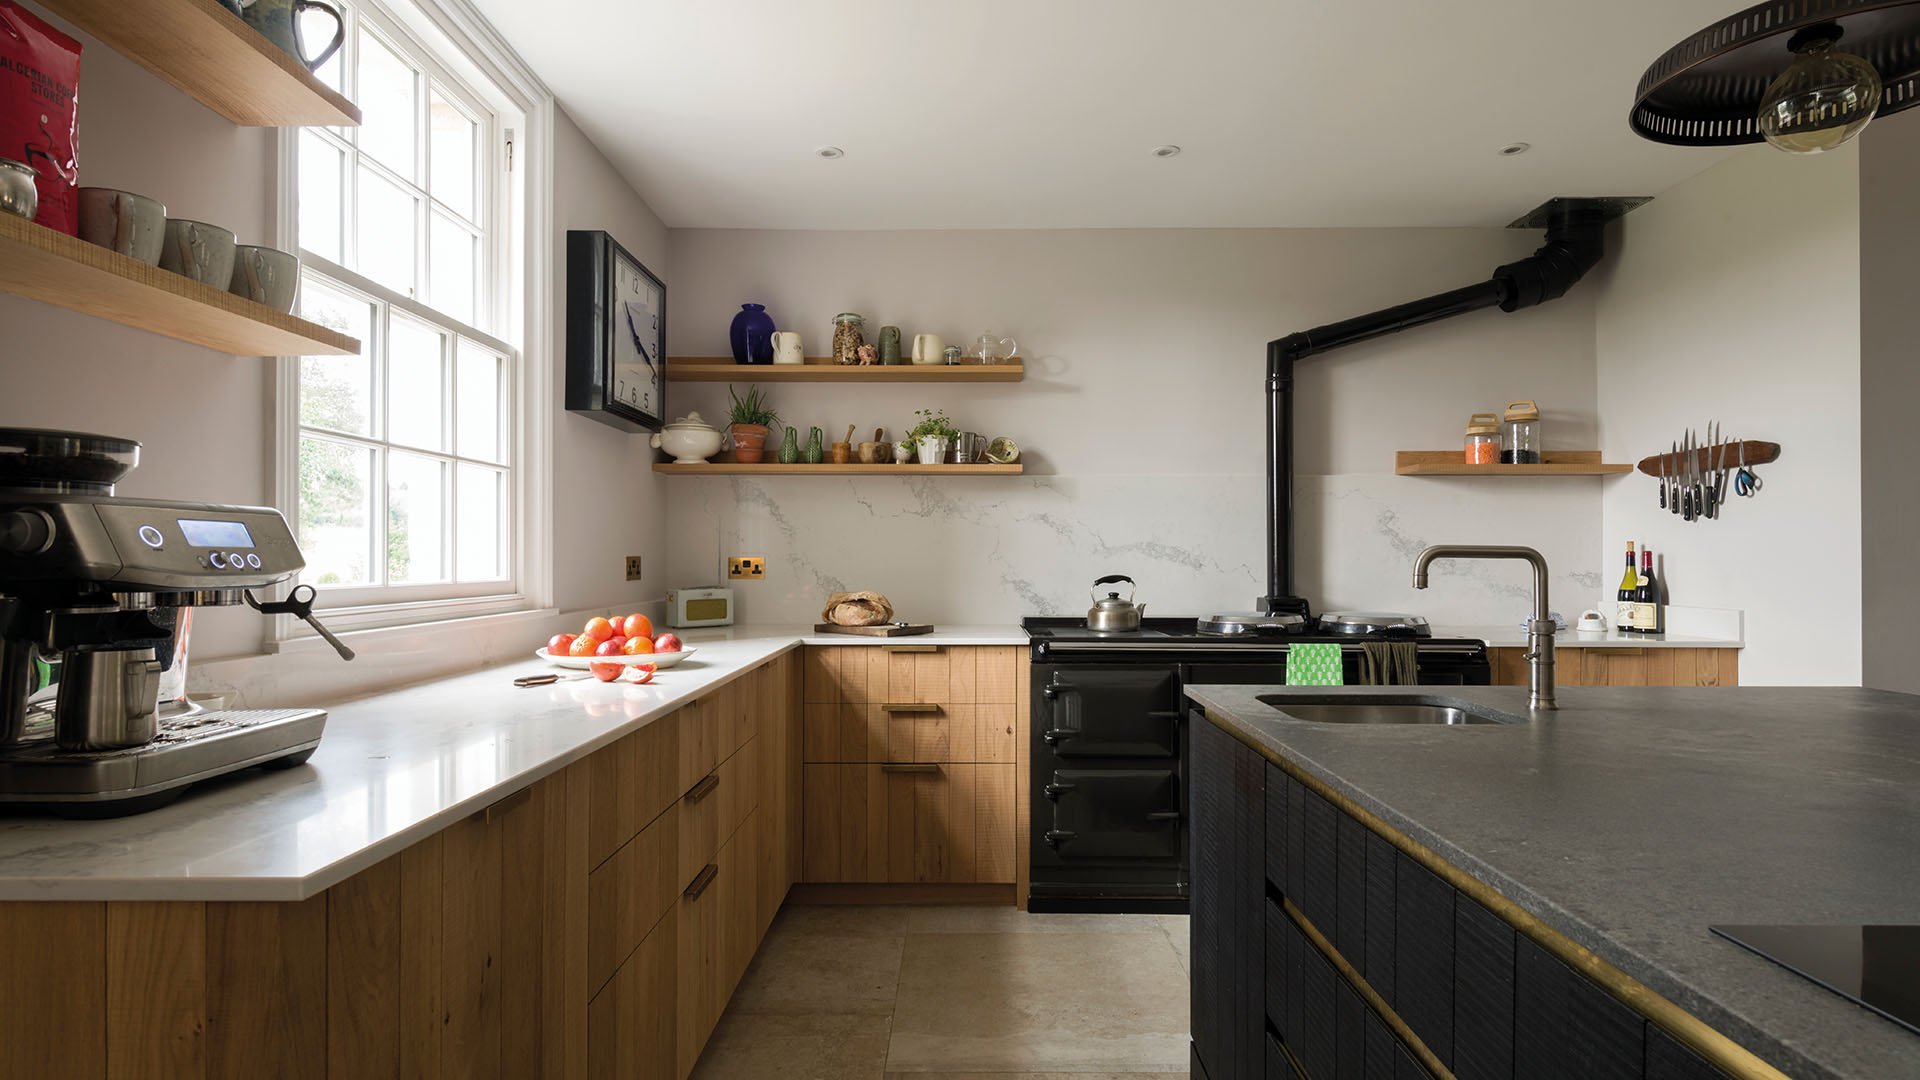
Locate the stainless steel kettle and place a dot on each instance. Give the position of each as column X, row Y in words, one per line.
column 1112, row 613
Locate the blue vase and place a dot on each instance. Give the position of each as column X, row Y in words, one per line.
column 752, row 335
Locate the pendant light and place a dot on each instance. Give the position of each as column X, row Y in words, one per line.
column 1804, row 76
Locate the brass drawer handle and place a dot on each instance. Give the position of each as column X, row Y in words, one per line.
column 911, row 648
column 704, row 788
column 701, row 880
column 1613, row 652
column 909, row 707
column 505, row 806
column 908, row 767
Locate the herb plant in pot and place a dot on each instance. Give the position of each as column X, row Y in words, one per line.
column 750, row 421
column 933, row 436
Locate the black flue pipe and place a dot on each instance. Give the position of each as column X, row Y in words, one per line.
column 1572, row 247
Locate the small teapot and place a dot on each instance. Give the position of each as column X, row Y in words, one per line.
column 1112, row 613
column 990, row 348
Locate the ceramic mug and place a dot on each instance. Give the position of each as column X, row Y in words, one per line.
column 928, row 349
column 279, row 22
column 133, row 225
column 786, row 348
column 198, row 250
column 265, row 275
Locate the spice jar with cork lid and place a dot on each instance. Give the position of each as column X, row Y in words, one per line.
column 1524, row 443
column 1483, row 439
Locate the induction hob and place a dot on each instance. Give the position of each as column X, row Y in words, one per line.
column 1876, row 966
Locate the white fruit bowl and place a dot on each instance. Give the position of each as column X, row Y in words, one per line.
column 661, row 660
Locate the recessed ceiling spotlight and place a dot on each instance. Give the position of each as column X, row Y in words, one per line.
column 1166, row 150
column 830, row 152
column 1514, row 148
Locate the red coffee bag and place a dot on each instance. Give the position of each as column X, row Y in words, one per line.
column 39, row 90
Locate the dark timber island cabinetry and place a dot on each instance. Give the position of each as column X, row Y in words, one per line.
column 1325, row 949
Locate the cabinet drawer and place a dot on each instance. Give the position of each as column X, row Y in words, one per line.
column 630, row 1022
column 631, row 782
column 1667, row 1059
column 909, row 731
column 715, row 940
column 1567, row 1026
column 713, row 808
column 1482, row 993
column 918, row 822
column 909, row 672
column 627, row 895
column 1317, row 859
column 1423, row 955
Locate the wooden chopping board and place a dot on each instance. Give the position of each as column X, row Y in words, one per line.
column 881, row 630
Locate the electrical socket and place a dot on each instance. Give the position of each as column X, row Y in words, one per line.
column 751, row 567
column 633, row 568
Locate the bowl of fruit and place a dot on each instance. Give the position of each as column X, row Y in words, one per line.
column 621, row 641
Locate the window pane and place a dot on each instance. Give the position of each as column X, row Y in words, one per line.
column 416, row 384
column 451, row 265
column 416, row 519
column 386, row 232
column 336, row 512
column 479, row 498
column 337, row 391
column 321, row 165
column 480, row 384
column 388, row 107
column 453, row 143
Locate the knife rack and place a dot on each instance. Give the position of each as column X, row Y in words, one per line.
column 1758, row 453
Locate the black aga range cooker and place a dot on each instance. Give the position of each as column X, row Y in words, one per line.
column 1108, row 744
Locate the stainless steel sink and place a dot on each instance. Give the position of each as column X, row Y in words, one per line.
column 1404, row 711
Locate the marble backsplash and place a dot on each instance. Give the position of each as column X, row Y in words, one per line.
column 994, row 549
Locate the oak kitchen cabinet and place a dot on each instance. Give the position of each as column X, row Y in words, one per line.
column 910, row 764
column 592, row 924
column 1624, row 666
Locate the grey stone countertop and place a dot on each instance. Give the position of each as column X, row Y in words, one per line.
column 1635, row 817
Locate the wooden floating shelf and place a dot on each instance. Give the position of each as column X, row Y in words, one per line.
column 825, row 369
column 1758, row 453
column 1450, row 463
column 774, row 468
column 214, row 57
column 46, row 265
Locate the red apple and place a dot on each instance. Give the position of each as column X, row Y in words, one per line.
column 667, row 643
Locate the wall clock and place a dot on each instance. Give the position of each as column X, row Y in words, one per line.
column 616, row 334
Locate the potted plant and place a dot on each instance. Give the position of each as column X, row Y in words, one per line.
column 750, row 421
column 933, row 435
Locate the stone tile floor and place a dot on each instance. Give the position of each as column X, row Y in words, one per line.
column 958, row 993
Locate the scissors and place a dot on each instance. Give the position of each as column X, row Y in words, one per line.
column 1746, row 482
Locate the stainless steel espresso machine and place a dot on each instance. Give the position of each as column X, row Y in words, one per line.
column 96, row 594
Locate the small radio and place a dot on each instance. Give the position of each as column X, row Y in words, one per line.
column 707, row 605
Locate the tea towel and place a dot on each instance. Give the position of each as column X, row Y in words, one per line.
column 1315, row 663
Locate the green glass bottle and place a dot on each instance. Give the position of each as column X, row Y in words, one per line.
column 790, row 448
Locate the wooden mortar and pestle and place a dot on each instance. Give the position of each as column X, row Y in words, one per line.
column 876, row 452
column 842, row 452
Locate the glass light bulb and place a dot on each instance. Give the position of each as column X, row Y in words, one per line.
column 1823, row 99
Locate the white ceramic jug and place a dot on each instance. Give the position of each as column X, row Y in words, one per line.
column 929, row 349
column 786, row 348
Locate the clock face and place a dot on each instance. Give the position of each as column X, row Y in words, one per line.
column 638, row 348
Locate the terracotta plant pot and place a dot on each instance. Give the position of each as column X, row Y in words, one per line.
column 749, row 442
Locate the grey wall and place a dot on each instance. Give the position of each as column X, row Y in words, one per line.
column 1889, row 390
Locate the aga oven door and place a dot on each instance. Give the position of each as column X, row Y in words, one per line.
column 1111, row 814
column 1106, row 711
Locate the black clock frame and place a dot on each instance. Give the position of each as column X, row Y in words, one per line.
column 591, row 324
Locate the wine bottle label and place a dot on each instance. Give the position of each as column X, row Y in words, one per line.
column 1624, row 616
column 1646, row 618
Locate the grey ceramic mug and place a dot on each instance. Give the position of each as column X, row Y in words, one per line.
column 121, row 221
column 198, row 250
column 265, row 275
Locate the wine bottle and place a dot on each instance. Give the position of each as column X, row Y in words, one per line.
column 1629, row 592
column 1646, row 600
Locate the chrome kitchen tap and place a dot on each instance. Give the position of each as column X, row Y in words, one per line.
column 1539, row 629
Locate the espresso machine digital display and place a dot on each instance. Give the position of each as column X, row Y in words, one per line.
column 91, row 589
column 220, row 534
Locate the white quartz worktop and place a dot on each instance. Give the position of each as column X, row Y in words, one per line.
column 391, row 769
column 1512, row 637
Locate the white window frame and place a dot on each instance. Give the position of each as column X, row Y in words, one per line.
column 450, row 36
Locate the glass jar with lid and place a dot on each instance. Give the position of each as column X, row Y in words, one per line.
column 1483, row 439
column 1524, row 444
column 849, row 333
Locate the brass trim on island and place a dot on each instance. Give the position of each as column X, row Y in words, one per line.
column 1699, row 1036
column 1401, row 1029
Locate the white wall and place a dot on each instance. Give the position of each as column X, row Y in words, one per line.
column 205, row 418
column 1143, row 417
column 1890, row 385
column 1735, row 296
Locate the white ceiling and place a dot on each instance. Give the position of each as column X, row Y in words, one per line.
column 1044, row 113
